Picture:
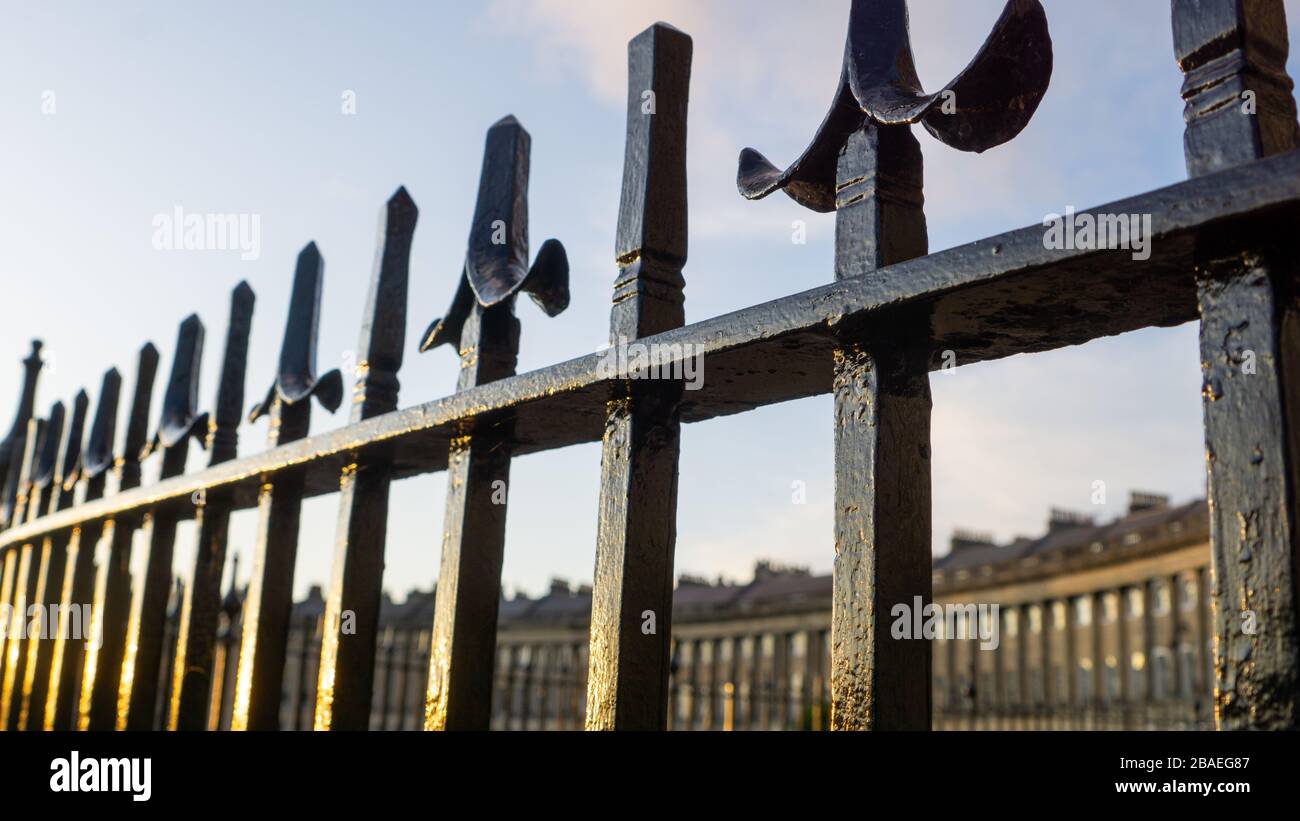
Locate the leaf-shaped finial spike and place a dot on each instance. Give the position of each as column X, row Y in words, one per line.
column 497, row 261
column 223, row 425
column 47, row 460
column 103, row 431
column 296, row 379
column 480, row 322
column 987, row 104
column 181, row 399
column 70, row 453
column 137, row 424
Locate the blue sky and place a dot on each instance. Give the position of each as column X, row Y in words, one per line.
column 236, row 108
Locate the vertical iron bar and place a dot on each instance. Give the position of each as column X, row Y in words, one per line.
column 77, row 587
column 112, row 602
column 142, row 658
column 632, row 597
column 269, row 601
column 193, row 672
column 1240, row 108
column 463, row 650
column 882, row 448
column 24, row 584
column 64, row 462
column 347, row 666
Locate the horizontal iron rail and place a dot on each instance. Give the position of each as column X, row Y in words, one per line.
column 986, row 300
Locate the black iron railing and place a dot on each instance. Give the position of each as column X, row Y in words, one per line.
column 1220, row 251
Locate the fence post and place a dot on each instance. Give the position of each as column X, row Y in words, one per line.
column 179, row 421
column 269, row 601
column 347, row 659
column 77, row 586
column 483, row 322
column 1240, row 109
column 632, row 596
column 192, row 671
column 102, row 672
column 865, row 165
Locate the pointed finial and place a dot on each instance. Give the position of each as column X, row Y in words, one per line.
column 47, row 459
column 383, row 327
column 987, row 104
column 651, row 242
column 103, row 431
column 496, row 264
column 297, row 378
column 137, row 424
column 180, row 417
column 26, row 404
column 223, row 428
column 70, row 453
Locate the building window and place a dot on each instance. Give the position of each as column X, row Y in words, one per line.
column 1160, row 681
column 1187, row 671
column 1083, row 611
column 1111, row 608
column 1112, row 679
column 1035, row 619
column 1162, row 592
column 1134, row 603
column 1189, row 594
column 1058, row 614
column 1012, row 623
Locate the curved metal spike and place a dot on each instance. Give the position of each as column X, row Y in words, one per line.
column 548, row 280
column 446, row 331
column 103, row 431
column 70, row 453
column 497, row 262
column 137, row 424
column 47, row 458
column 222, row 427
column 297, row 378
column 992, row 99
column 180, row 401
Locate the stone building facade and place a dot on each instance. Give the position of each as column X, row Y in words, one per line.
column 1097, row 626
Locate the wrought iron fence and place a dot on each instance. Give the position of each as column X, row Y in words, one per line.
column 1220, row 252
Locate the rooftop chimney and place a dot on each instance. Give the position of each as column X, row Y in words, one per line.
column 1140, row 502
column 766, row 569
column 1067, row 519
column 965, row 539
